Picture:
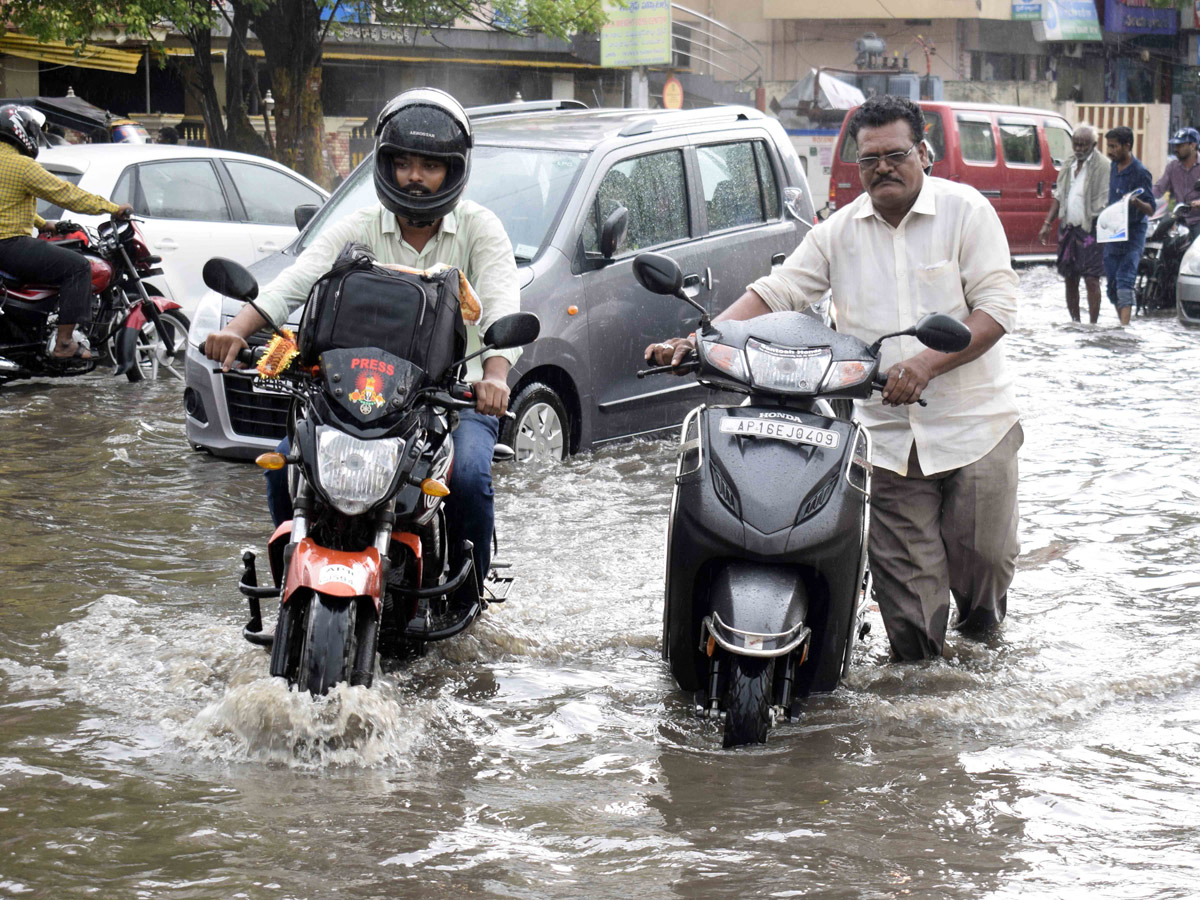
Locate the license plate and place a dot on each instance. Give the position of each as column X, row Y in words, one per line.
column 783, row 430
column 267, row 385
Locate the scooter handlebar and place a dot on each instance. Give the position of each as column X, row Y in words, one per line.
column 247, row 357
column 881, row 382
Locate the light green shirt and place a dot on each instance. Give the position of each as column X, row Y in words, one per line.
column 471, row 239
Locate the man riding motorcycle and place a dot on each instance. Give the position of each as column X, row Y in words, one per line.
column 422, row 162
column 22, row 182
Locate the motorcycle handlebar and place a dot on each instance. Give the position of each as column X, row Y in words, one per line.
column 247, row 357
column 880, row 383
column 689, row 364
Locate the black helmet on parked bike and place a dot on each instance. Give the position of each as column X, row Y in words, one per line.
column 426, row 122
column 21, row 126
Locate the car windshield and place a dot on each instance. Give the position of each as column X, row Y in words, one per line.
column 524, row 187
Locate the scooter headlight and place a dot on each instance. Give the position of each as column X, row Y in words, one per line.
column 792, row 370
column 355, row 474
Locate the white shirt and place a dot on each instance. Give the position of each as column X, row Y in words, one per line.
column 471, row 239
column 1076, row 199
column 949, row 255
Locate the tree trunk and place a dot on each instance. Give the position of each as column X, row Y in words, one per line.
column 198, row 81
column 291, row 33
column 241, row 133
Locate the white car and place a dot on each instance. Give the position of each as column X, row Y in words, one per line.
column 195, row 203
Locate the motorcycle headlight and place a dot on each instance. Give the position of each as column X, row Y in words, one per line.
column 726, row 359
column 355, row 474
column 845, row 374
column 792, row 370
column 206, row 320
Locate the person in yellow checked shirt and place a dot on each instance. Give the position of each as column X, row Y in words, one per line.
column 22, row 182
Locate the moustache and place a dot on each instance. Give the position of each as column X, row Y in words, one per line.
column 416, row 190
column 885, row 179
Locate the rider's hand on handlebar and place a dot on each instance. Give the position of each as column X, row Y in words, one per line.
column 905, row 382
column 223, row 347
column 671, row 352
column 491, row 396
column 47, row 227
column 123, row 214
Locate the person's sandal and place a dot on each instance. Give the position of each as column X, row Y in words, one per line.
column 80, row 354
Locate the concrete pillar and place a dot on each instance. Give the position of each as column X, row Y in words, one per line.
column 562, row 86
column 639, row 88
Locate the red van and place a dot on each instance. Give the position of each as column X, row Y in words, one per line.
column 1010, row 154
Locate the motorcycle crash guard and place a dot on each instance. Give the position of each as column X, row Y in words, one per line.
column 757, row 609
column 334, row 573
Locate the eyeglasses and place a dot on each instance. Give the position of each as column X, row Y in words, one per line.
column 894, row 159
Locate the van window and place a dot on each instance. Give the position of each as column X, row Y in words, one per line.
column 976, row 140
column 1058, row 138
column 935, row 133
column 1020, row 142
column 653, row 189
column 850, row 150
column 729, row 178
column 766, row 179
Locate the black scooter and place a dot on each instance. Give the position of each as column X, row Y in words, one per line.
column 767, row 577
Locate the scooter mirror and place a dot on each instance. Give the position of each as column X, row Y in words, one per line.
column 229, row 278
column 658, row 273
column 943, row 333
column 513, row 330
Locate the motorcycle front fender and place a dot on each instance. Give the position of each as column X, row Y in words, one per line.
column 757, row 609
column 137, row 318
column 125, row 347
column 335, row 573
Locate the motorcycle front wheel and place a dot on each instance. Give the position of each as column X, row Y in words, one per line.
column 151, row 358
column 330, row 645
column 748, row 700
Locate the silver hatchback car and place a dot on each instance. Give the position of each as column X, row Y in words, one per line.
column 720, row 190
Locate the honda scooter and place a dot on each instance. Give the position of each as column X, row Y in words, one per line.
column 767, row 577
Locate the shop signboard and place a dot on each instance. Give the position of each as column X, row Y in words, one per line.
column 1139, row 17
column 1067, row 20
column 1027, row 11
column 637, row 34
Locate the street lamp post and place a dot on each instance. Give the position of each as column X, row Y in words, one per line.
column 268, row 105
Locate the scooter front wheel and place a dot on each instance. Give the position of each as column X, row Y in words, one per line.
column 748, row 700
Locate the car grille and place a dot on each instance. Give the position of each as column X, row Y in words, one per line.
column 1191, row 309
column 253, row 414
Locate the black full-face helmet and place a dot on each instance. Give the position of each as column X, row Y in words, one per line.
column 21, row 126
column 427, row 122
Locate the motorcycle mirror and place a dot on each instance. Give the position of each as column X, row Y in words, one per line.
column 513, row 330
column 229, row 278
column 943, row 333
column 657, row 273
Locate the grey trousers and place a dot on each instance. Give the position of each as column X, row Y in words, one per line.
column 937, row 536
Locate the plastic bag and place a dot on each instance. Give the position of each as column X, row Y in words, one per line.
column 1112, row 224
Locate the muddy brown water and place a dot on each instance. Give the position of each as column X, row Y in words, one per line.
column 144, row 753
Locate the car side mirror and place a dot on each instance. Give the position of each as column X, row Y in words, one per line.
column 657, row 273
column 304, row 213
column 943, row 333
column 513, row 330
column 230, row 278
column 612, row 232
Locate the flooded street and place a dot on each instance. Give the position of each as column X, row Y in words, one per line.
column 145, row 753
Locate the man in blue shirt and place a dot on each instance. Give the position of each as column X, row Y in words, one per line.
column 1121, row 258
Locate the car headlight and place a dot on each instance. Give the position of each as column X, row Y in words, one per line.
column 845, row 374
column 792, row 370
column 355, row 474
column 206, row 320
column 1190, row 265
column 726, row 359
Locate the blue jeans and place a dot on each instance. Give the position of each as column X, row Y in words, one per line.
column 1121, row 265
column 470, row 509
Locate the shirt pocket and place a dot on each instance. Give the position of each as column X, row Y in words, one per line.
column 937, row 273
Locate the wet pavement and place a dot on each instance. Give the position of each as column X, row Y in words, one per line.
column 144, row 752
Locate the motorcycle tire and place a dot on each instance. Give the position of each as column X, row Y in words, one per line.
column 285, row 648
column 330, row 645
column 748, row 700
column 151, row 362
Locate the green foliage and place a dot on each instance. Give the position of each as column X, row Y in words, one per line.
column 75, row 21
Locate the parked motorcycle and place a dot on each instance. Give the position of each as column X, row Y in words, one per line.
column 131, row 328
column 364, row 568
column 1158, row 269
column 767, row 576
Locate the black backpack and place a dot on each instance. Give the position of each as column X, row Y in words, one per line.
column 359, row 303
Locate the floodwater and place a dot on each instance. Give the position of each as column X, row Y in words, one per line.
column 145, row 754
